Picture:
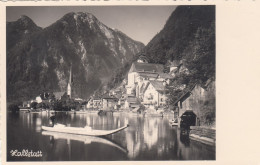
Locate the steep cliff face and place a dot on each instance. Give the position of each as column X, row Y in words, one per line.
column 40, row 59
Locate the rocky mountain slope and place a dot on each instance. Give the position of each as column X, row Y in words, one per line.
column 40, row 59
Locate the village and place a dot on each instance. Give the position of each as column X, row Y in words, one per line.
column 144, row 93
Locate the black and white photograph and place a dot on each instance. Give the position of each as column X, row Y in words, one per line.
column 111, row 83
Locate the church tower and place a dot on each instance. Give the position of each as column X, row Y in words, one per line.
column 69, row 83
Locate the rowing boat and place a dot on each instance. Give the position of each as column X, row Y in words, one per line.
column 174, row 122
column 82, row 130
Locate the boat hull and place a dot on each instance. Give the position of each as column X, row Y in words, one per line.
column 82, row 131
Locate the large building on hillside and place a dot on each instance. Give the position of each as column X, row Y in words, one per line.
column 148, row 79
column 141, row 72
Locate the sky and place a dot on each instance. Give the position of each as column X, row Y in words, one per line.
column 141, row 23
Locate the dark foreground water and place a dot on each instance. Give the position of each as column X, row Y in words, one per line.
column 146, row 139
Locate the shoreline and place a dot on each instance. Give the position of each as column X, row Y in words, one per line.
column 203, row 134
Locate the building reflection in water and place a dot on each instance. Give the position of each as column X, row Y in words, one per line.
column 150, row 132
column 38, row 124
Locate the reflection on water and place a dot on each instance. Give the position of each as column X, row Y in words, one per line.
column 146, row 139
column 81, row 138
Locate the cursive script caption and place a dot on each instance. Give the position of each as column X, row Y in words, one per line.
column 26, row 153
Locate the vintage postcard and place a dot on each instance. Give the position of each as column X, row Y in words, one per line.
column 108, row 81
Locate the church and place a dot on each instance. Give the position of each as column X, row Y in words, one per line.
column 69, row 87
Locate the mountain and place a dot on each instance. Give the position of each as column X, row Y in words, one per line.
column 40, row 59
column 19, row 30
column 188, row 35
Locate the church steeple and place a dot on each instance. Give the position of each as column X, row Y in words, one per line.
column 69, row 83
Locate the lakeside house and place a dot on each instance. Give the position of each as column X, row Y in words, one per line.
column 26, row 104
column 131, row 102
column 194, row 100
column 94, row 103
column 155, row 94
column 109, row 102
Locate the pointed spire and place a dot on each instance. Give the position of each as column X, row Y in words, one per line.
column 70, row 79
column 70, row 82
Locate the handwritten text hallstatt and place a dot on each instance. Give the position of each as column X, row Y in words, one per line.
column 26, row 153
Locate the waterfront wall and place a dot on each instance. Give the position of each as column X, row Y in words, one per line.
column 203, row 134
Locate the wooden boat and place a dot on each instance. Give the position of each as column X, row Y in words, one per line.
column 33, row 111
column 81, row 130
column 174, row 122
column 24, row 109
column 83, row 138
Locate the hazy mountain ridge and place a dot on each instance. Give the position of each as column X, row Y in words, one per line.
column 40, row 60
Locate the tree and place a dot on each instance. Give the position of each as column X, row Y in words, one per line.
column 34, row 105
column 13, row 108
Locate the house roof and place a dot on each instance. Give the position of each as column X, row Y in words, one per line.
column 132, row 99
column 148, row 75
column 142, row 57
column 96, row 98
column 158, row 85
column 58, row 94
column 165, row 76
column 186, row 94
column 107, row 97
column 146, row 67
column 144, row 87
column 188, row 113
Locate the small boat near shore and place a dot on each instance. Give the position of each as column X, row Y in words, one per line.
column 82, row 130
column 174, row 122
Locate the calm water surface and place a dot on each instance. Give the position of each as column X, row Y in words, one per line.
column 146, row 139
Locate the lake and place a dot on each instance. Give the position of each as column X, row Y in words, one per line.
column 147, row 138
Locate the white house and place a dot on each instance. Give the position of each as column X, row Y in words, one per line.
column 140, row 72
column 174, row 66
column 155, row 94
column 38, row 99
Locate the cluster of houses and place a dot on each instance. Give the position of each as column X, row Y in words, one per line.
column 146, row 85
column 46, row 98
